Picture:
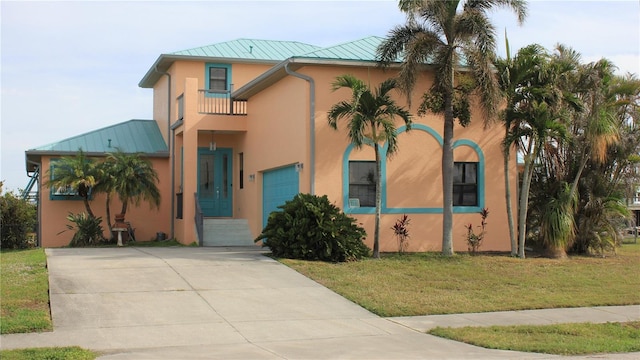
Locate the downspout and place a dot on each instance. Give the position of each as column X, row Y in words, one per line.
column 312, row 122
column 38, row 203
column 172, row 150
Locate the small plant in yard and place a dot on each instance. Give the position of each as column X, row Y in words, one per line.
column 88, row 230
column 311, row 228
column 474, row 241
column 401, row 231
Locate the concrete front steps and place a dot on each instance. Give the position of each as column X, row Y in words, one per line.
column 226, row 232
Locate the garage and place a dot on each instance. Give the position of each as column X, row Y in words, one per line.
column 278, row 186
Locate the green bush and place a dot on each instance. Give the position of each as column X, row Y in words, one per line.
column 311, row 228
column 88, row 230
column 18, row 220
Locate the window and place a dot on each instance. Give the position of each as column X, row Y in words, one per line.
column 63, row 192
column 362, row 182
column 218, row 79
column 465, row 184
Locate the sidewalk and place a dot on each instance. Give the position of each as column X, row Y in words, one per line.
column 235, row 303
column 599, row 314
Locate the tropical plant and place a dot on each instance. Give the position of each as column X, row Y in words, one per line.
column 17, row 220
column 474, row 241
column 401, row 231
column 132, row 178
column 88, row 230
column 370, row 116
column 77, row 173
column 516, row 75
column 309, row 227
column 440, row 35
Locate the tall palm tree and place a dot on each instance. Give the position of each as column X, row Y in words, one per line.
column 78, row 173
column 443, row 34
column 513, row 74
column 371, row 117
column 133, row 178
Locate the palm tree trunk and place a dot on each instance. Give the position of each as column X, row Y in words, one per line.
column 124, row 207
column 524, row 199
column 87, row 207
column 447, row 178
column 376, row 231
column 108, row 211
column 507, row 196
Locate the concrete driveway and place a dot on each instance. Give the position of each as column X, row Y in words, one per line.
column 217, row 303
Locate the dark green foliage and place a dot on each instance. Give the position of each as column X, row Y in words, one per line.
column 18, row 220
column 311, row 228
column 88, row 230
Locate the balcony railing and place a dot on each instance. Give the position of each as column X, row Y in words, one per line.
column 220, row 103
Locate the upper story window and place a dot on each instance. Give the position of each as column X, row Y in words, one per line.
column 465, row 184
column 362, row 182
column 218, row 79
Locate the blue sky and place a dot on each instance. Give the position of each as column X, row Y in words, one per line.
column 72, row 67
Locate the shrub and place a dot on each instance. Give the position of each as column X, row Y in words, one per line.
column 474, row 241
column 17, row 222
column 88, row 230
column 401, row 231
column 311, row 228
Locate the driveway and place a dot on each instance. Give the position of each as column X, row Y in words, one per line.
column 217, row 303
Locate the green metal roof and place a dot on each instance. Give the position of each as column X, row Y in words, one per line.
column 362, row 50
column 133, row 136
column 251, row 49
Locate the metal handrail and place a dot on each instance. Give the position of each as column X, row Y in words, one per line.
column 199, row 219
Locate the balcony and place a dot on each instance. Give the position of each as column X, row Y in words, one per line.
column 212, row 102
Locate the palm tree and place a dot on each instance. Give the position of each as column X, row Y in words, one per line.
column 77, row 173
column 440, row 35
column 370, row 115
column 133, row 178
column 513, row 74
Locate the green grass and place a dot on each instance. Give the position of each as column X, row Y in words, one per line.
column 24, row 305
column 57, row 353
column 428, row 283
column 164, row 243
column 561, row 339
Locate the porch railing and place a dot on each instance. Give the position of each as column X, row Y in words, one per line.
column 199, row 219
column 220, row 103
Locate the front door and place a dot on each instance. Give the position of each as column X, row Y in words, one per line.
column 214, row 182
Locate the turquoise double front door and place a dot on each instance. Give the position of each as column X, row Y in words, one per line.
column 215, row 174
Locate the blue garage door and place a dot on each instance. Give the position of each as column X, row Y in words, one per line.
column 278, row 186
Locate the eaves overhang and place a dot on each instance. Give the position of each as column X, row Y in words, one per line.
column 279, row 71
column 34, row 157
column 164, row 61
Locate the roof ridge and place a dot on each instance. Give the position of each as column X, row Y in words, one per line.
column 245, row 39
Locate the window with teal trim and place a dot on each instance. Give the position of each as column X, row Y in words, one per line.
column 63, row 192
column 465, row 184
column 362, row 182
column 218, row 79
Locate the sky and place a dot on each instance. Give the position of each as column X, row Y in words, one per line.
column 70, row 67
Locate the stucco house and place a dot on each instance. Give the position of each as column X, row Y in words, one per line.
column 244, row 128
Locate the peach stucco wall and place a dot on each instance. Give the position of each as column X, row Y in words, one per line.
column 146, row 221
column 276, row 133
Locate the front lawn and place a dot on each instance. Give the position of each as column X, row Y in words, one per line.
column 24, row 305
column 428, row 283
column 561, row 339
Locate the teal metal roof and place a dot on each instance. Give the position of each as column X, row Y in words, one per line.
column 133, row 136
column 363, row 50
column 251, row 49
